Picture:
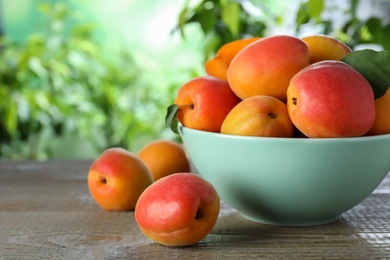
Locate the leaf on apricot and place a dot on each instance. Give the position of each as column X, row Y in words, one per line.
column 171, row 118
column 374, row 66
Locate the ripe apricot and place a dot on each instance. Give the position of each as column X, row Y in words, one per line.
column 382, row 119
column 324, row 47
column 117, row 178
column 178, row 210
column 204, row 102
column 266, row 66
column 259, row 116
column 331, row 99
column 217, row 66
column 164, row 157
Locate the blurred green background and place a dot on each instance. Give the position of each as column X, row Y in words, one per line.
column 77, row 77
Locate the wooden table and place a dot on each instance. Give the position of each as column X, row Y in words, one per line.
column 46, row 212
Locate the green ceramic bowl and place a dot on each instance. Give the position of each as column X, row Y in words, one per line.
column 289, row 181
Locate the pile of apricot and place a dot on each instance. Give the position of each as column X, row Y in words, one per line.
column 283, row 86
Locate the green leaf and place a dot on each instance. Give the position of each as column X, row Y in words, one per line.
column 211, row 43
column 353, row 9
column 171, row 118
column 231, row 17
column 182, row 20
column 374, row 66
column 302, row 16
column 207, row 19
column 36, row 66
column 11, row 117
column 315, row 8
column 379, row 33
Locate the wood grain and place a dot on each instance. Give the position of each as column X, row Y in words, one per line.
column 46, row 212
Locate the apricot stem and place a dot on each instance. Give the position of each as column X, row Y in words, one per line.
column 294, row 101
column 199, row 214
column 190, row 106
column 272, row 115
column 103, row 179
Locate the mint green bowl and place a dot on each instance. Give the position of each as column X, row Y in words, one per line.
column 289, row 181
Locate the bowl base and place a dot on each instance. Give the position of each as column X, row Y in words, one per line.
column 291, row 223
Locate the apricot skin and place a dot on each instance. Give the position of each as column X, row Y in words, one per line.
column 382, row 119
column 178, row 210
column 266, row 66
column 204, row 103
column 218, row 65
column 331, row 99
column 259, row 116
column 324, row 47
column 164, row 157
column 117, row 178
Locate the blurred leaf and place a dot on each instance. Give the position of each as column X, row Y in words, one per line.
column 231, row 17
column 378, row 32
column 182, row 20
column 212, row 43
column 311, row 9
column 207, row 18
column 223, row 21
column 45, row 8
column 315, row 8
column 11, row 117
column 374, row 66
column 36, row 67
column 354, row 6
column 302, row 16
column 67, row 83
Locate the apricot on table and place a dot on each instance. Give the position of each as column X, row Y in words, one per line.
column 178, row 210
column 164, row 157
column 117, row 178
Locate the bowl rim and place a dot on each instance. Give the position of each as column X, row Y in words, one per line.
column 182, row 128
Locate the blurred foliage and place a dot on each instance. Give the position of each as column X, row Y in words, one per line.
column 353, row 31
column 62, row 94
column 226, row 20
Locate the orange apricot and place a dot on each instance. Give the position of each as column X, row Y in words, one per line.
column 324, row 47
column 164, row 157
column 330, row 99
column 218, row 65
column 259, row 116
column 266, row 66
column 382, row 119
column 117, row 178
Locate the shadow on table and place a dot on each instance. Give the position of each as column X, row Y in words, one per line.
column 234, row 230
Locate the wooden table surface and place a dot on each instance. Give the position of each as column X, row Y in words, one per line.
column 46, row 212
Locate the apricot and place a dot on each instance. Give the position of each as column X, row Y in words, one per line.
column 331, row 99
column 324, row 47
column 266, row 66
column 164, row 157
column 204, row 103
column 217, row 66
column 382, row 120
column 259, row 116
column 117, row 178
column 178, row 210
